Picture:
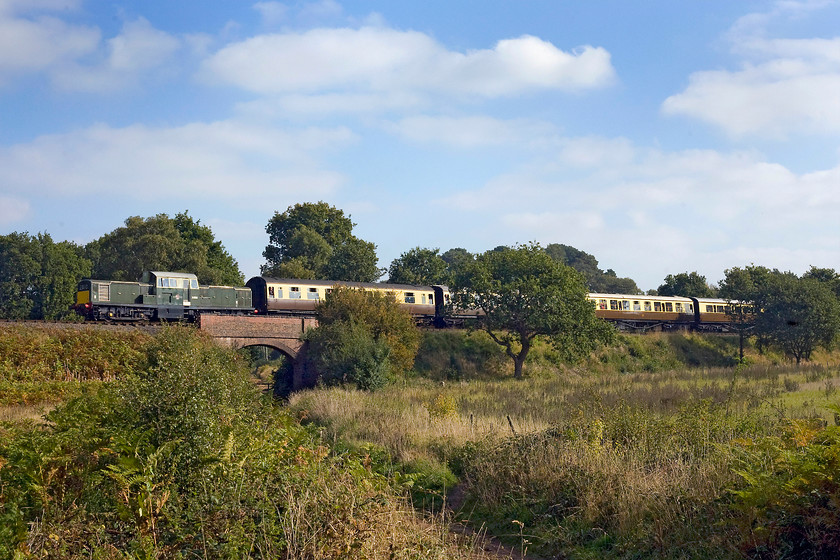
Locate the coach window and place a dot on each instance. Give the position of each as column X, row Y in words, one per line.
column 669, row 307
column 313, row 293
column 657, row 306
column 409, row 297
column 678, row 307
column 294, row 292
column 602, row 303
column 710, row 309
column 689, row 307
column 637, row 306
column 423, row 299
column 647, row 306
column 614, row 305
column 271, row 292
column 625, row 305
column 431, row 298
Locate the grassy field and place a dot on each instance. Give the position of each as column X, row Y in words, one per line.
column 164, row 447
column 658, row 447
column 635, row 453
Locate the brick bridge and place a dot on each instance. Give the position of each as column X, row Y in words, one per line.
column 281, row 333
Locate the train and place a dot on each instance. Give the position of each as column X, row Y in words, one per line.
column 177, row 296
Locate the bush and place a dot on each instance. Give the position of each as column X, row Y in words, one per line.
column 363, row 337
column 183, row 460
column 346, row 352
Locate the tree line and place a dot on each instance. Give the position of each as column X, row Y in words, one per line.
column 525, row 291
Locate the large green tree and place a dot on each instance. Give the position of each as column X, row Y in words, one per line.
column 315, row 240
column 798, row 315
column 179, row 244
column 418, row 266
column 38, row 277
column 686, row 284
column 523, row 293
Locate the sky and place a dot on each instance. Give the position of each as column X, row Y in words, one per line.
column 660, row 136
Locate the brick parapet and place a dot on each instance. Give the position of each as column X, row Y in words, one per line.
column 231, row 326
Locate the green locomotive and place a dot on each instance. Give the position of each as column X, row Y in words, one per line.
column 158, row 296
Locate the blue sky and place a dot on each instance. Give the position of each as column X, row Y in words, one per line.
column 660, row 136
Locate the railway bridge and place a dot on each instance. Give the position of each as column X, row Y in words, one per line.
column 280, row 333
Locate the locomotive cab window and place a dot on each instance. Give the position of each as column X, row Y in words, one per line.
column 409, row 297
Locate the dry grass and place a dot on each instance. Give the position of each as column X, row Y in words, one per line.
column 18, row 413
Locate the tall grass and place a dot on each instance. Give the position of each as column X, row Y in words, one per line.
column 619, row 457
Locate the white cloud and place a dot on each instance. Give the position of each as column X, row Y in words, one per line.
column 74, row 57
column 784, row 86
column 272, row 13
column 39, row 43
column 378, row 59
column 649, row 213
column 136, row 50
column 471, row 132
column 223, row 160
column 12, row 209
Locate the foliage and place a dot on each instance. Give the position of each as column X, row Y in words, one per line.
column 347, row 353
column 418, row 266
column 686, row 284
column 789, row 502
column 597, row 280
column 457, row 355
column 316, row 241
column 522, row 294
column 798, row 315
column 159, row 242
column 827, row 276
column 161, row 465
column 38, row 277
column 363, row 337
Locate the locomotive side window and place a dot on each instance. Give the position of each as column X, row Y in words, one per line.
column 104, row 292
column 647, row 306
column 312, row 294
column 294, row 292
column 409, row 297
